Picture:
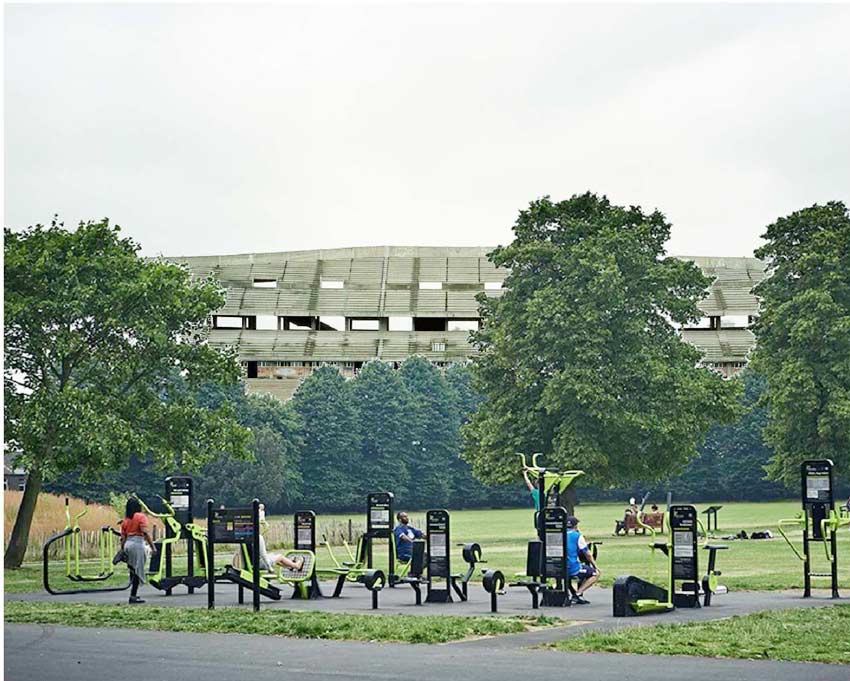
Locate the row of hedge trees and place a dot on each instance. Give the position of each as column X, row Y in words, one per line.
column 339, row 439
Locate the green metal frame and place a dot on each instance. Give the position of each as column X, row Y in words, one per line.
column 647, row 605
column 106, row 549
column 829, row 526
column 169, row 519
column 299, row 579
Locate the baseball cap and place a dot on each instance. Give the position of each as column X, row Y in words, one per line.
column 572, row 521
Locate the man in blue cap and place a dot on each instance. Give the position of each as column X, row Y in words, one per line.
column 580, row 563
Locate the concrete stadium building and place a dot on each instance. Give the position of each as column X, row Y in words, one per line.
column 288, row 313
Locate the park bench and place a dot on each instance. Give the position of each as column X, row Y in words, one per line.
column 654, row 519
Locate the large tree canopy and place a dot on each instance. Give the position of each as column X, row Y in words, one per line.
column 803, row 338
column 578, row 356
column 435, row 427
column 105, row 353
column 331, row 461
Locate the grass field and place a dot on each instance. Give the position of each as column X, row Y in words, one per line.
column 805, row 635
column 751, row 564
column 403, row 628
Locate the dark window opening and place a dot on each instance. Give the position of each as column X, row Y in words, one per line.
column 252, row 369
column 429, row 323
column 299, row 323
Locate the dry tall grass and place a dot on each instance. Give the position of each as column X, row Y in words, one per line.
column 50, row 518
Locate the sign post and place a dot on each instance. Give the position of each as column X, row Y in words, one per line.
column 233, row 526
column 379, row 525
column 439, row 558
column 178, row 493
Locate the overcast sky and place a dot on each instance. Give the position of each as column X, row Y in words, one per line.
column 207, row 129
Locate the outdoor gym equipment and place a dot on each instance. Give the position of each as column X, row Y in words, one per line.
column 438, row 563
column 818, row 520
column 70, row 537
column 635, row 596
column 547, row 560
column 160, row 574
column 550, row 484
column 350, row 570
column 305, row 582
column 379, row 525
column 493, row 582
column 237, row 526
column 547, row 556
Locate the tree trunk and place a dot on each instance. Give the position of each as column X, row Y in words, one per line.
column 21, row 532
column 570, row 498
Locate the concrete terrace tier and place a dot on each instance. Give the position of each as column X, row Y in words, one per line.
column 288, row 312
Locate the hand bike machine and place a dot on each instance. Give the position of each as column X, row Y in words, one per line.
column 818, row 520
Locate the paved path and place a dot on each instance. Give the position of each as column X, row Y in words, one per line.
column 400, row 600
column 36, row 653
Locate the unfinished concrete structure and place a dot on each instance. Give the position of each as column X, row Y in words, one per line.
column 290, row 312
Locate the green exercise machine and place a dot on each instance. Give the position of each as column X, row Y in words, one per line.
column 683, row 588
column 545, row 575
column 179, row 526
column 819, row 522
column 70, row 538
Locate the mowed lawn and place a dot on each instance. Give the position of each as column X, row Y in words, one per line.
column 503, row 534
column 748, row 564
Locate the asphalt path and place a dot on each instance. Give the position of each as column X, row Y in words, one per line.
column 45, row 653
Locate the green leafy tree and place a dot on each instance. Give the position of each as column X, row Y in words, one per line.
column 273, row 474
column 578, row 357
column 733, row 459
column 467, row 490
column 436, row 432
column 105, row 352
column 331, row 456
column 386, row 427
column 803, row 339
column 140, row 475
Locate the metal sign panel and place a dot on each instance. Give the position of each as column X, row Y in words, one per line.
column 233, row 525
column 554, row 542
column 683, row 528
column 379, row 514
column 305, row 531
column 437, row 529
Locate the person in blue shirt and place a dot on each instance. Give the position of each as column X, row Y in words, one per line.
column 580, row 563
column 404, row 536
column 532, row 488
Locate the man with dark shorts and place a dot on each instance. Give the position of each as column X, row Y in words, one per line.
column 580, row 563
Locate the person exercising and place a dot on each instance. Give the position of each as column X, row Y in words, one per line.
column 268, row 560
column 404, row 534
column 135, row 533
column 532, row 488
column 581, row 565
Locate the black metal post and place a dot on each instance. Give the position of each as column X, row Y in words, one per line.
column 167, row 544
column 210, row 556
column 807, row 563
column 834, row 547
column 255, row 517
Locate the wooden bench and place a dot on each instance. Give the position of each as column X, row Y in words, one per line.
column 655, row 520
